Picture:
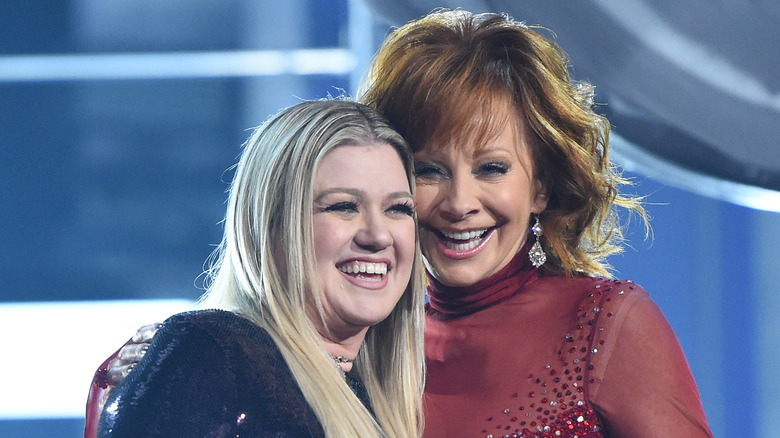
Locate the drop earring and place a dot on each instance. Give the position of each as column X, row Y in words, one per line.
column 536, row 254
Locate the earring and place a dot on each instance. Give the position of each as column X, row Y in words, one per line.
column 536, row 254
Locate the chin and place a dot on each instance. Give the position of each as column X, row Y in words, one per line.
column 369, row 319
column 458, row 279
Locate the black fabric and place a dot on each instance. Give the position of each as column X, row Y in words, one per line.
column 212, row 374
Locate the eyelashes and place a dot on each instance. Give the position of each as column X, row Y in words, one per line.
column 405, row 207
column 428, row 171
column 342, row 207
column 493, row 168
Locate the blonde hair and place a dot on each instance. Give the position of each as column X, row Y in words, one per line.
column 268, row 227
column 433, row 75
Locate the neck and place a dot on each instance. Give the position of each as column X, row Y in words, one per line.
column 346, row 347
column 453, row 302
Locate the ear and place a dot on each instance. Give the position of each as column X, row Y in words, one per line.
column 539, row 203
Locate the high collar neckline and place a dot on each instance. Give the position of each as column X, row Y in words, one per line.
column 460, row 301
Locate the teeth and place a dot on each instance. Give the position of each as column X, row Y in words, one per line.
column 462, row 246
column 464, row 235
column 364, row 268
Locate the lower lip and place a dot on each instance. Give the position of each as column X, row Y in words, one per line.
column 464, row 254
column 372, row 284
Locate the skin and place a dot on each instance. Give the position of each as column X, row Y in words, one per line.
column 488, row 192
column 359, row 227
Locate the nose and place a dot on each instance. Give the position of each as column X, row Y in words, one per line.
column 460, row 199
column 374, row 233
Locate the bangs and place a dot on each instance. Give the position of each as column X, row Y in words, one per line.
column 472, row 119
column 454, row 101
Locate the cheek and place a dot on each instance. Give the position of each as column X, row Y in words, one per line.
column 327, row 240
column 426, row 200
column 514, row 199
column 406, row 234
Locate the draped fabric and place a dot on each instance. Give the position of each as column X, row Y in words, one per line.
column 690, row 86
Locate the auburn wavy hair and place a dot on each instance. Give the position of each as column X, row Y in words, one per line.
column 444, row 80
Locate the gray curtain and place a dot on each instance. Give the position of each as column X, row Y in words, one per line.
column 691, row 86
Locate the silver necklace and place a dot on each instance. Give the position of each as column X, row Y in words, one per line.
column 340, row 360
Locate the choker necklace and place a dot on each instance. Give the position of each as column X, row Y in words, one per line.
column 340, row 360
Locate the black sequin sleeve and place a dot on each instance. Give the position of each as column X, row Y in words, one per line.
column 183, row 387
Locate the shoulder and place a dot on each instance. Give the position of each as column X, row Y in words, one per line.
column 594, row 289
column 214, row 325
column 637, row 366
column 622, row 305
column 612, row 307
column 627, row 326
column 240, row 343
column 183, row 358
column 202, row 370
column 212, row 320
column 587, row 284
column 601, row 312
column 593, row 294
column 193, row 341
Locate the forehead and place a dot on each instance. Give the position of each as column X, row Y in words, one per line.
column 507, row 144
column 481, row 128
column 362, row 165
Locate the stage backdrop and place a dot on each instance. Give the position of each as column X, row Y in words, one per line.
column 119, row 122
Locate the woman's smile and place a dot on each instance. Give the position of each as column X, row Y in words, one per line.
column 463, row 244
column 474, row 205
column 365, row 274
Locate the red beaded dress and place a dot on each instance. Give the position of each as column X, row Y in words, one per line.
column 521, row 354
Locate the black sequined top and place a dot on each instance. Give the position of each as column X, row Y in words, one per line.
column 212, row 374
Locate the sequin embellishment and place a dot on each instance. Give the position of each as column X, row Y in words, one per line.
column 558, row 408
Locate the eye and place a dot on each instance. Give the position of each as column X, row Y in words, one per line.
column 405, row 208
column 343, row 207
column 493, row 168
column 424, row 170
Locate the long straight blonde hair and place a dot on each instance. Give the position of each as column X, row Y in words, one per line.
column 264, row 270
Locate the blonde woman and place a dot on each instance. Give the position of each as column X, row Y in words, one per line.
column 319, row 284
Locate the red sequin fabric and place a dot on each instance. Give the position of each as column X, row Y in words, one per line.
column 554, row 357
column 557, row 406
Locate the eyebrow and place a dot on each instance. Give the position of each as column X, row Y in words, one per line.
column 359, row 193
column 487, row 150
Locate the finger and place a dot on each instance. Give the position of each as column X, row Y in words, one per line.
column 145, row 333
column 117, row 374
column 132, row 353
column 115, row 368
